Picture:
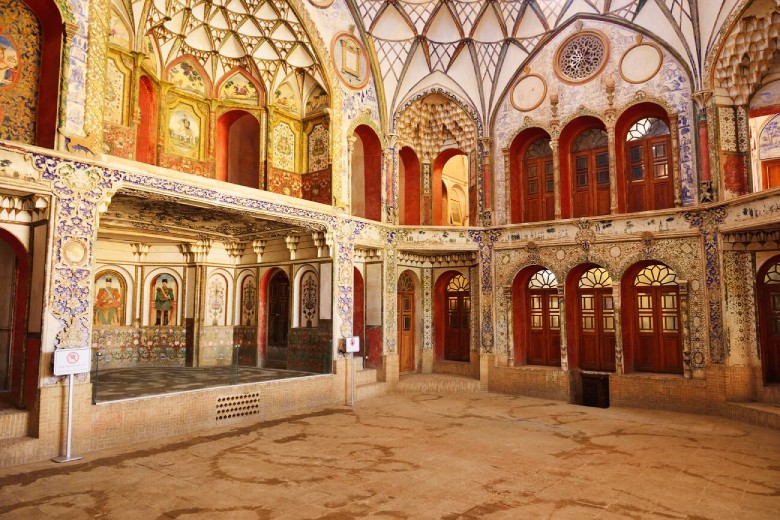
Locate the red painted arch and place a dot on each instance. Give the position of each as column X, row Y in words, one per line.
column 438, row 167
column 372, row 171
column 146, row 134
column 411, row 194
column 247, row 171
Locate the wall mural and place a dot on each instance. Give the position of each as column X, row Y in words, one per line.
column 164, row 300
column 116, row 84
column 249, row 302
column 118, row 33
column 284, row 147
column 20, row 44
column 150, row 56
column 285, row 98
column 769, row 143
column 184, row 132
column 318, row 100
column 309, row 300
column 318, row 148
column 110, row 297
column 217, row 300
column 185, row 76
column 239, row 89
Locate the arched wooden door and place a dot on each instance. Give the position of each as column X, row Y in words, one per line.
column 406, row 323
column 649, row 172
column 544, row 320
column 769, row 320
column 278, row 319
column 539, row 182
column 8, row 272
column 657, row 336
column 457, row 333
column 590, row 173
column 596, row 321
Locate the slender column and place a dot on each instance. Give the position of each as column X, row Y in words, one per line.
column 427, row 310
column 675, row 155
column 390, row 180
column 426, row 206
column 562, row 321
column 685, row 328
column 507, row 187
column 556, row 172
column 485, row 179
column 619, row 368
column 613, row 182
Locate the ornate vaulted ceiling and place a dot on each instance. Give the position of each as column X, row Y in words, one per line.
column 476, row 47
column 264, row 36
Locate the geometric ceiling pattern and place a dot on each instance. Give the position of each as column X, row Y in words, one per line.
column 476, row 47
column 266, row 37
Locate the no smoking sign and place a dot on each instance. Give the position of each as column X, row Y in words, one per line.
column 72, row 361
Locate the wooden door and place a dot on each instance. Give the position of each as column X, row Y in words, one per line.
column 769, row 322
column 457, row 335
column 539, row 188
column 544, row 329
column 278, row 310
column 591, row 183
column 771, row 173
column 649, row 176
column 406, row 330
column 596, row 323
column 658, row 331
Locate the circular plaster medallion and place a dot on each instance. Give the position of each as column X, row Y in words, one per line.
column 560, row 254
column 321, row 3
column 695, row 285
column 74, row 252
column 615, row 251
column 350, row 60
column 641, row 63
column 529, row 92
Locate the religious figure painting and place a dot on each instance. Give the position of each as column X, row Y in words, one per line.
column 164, row 301
column 109, row 299
column 9, row 62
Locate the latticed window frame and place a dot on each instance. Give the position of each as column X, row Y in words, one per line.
column 595, row 278
column 539, row 148
column 458, row 283
column 647, row 127
column 590, row 139
column 578, row 39
column 543, row 279
column 656, row 275
column 405, row 283
column 772, row 276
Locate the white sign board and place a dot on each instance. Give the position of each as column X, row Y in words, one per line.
column 72, row 361
column 353, row 344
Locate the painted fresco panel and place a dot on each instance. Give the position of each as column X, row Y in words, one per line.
column 164, row 301
column 284, row 147
column 110, row 299
column 20, row 44
column 116, row 84
column 285, row 98
column 239, row 89
column 769, row 143
column 184, row 132
column 119, row 33
column 318, row 101
column 318, row 148
column 186, row 77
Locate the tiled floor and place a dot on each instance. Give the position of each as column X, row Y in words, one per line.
column 471, row 455
column 125, row 383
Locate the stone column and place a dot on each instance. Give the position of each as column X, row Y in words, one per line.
column 139, row 254
column 196, row 254
column 484, row 182
column 562, row 314
column 390, row 363
column 675, row 156
column 507, row 356
column 508, row 195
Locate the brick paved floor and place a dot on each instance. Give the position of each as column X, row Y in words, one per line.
column 471, row 455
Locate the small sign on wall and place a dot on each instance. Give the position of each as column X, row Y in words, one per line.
column 72, row 361
column 353, row 344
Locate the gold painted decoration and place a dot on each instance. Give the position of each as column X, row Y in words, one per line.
column 350, row 60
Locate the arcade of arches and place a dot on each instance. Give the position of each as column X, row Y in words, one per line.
column 211, row 196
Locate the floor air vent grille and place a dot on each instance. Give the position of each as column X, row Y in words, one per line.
column 238, row 406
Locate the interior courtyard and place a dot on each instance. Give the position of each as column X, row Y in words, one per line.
column 564, row 206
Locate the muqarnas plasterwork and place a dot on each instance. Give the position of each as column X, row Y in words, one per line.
column 20, row 49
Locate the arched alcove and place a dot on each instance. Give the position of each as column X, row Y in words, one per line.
column 238, row 148
column 366, row 174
